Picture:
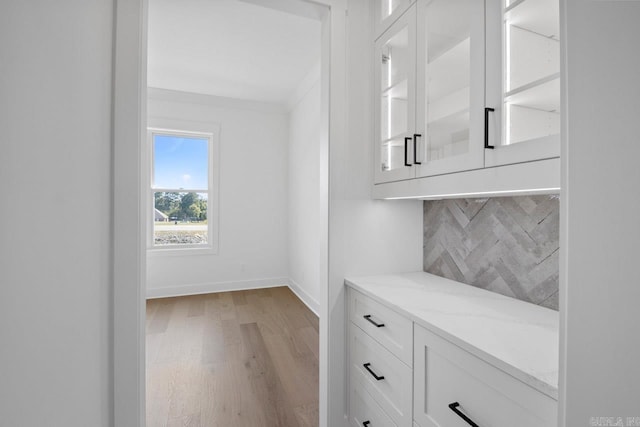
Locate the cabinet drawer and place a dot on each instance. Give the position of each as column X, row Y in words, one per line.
column 364, row 411
column 397, row 333
column 378, row 372
column 445, row 374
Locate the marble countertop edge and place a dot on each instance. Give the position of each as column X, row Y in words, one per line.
column 541, row 378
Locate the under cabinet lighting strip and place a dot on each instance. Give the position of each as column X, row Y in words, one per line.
column 478, row 194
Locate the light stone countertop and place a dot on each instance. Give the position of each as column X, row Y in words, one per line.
column 517, row 337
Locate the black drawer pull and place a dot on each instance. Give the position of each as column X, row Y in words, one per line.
column 368, row 317
column 454, row 407
column 378, row 378
column 415, row 148
column 366, row 423
column 406, row 151
column 487, row 110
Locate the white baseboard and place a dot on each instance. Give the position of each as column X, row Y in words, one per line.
column 304, row 296
column 206, row 288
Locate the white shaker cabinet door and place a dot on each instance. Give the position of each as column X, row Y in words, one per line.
column 453, row 387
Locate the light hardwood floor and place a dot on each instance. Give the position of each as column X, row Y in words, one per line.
column 245, row 359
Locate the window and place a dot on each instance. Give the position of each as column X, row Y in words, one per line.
column 181, row 193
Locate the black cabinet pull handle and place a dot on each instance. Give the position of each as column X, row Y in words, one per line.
column 454, row 407
column 415, row 148
column 368, row 317
column 486, row 127
column 366, row 423
column 378, row 378
column 406, row 149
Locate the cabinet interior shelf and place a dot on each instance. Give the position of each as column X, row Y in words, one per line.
column 450, row 70
column 458, row 119
column 542, row 94
column 398, row 90
column 394, row 141
column 539, row 16
column 449, row 105
column 456, row 50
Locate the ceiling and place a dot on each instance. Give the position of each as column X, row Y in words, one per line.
column 230, row 48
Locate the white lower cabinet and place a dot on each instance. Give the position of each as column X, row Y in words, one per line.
column 442, row 386
column 453, row 388
column 376, row 371
column 364, row 411
column 392, row 330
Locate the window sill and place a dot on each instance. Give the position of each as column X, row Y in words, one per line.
column 181, row 251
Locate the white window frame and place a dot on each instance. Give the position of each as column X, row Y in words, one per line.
column 211, row 134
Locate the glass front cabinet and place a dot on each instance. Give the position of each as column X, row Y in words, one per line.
column 395, row 102
column 466, row 84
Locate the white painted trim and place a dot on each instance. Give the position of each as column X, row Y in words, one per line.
column 333, row 338
column 325, row 383
column 212, row 287
column 214, row 101
column 305, row 297
column 564, row 218
column 129, row 260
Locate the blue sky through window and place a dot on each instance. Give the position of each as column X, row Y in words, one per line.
column 180, row 162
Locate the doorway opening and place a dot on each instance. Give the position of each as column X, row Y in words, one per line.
column 229, row 340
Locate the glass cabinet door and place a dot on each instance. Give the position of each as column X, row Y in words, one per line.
column 395, row 100
column 450, row 84
column 387, row 11
column 524, row 84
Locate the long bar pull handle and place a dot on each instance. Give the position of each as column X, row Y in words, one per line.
column 368, row 318
column 415, row 148
column 366, row 423
column 376, row 376
column 454, row 407
column 406, row 150
column 487, row 110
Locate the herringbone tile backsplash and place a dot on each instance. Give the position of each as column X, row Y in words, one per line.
column 507, row 245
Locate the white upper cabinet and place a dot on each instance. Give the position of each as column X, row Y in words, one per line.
column 465, row 85
column 395, row 101
column 523, row 80
column 386, row 12
column 450, row 84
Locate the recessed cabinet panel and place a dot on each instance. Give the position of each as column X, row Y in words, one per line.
column 523, row 80
column 395, row 99
column 364, row 411
column 382, row 375
column 449, row 382
column 392, row 330
column 450, row 83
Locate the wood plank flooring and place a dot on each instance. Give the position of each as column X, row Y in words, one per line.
column 232, row 359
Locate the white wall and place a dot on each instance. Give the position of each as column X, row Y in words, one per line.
column 253, row 217
column 600, row 228
column 365, row 236
column 56, row 235
column 304, row 191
